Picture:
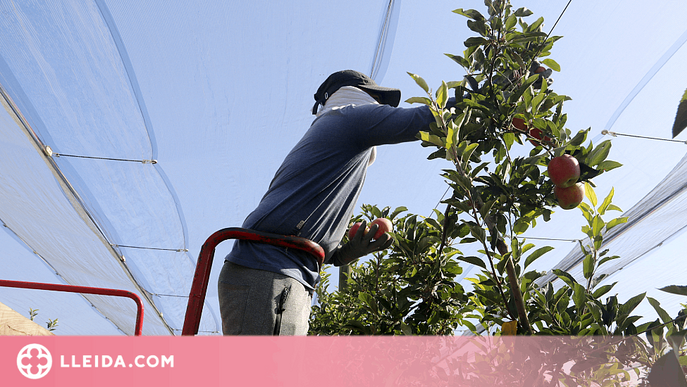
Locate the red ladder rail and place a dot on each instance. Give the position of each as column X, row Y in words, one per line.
column 201, row 277
column 84, row 290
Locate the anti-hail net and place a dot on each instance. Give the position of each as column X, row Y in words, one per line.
column 99, row 211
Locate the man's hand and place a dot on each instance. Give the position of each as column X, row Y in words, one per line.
column 360, row 245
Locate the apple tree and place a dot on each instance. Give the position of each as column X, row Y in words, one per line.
column 498, row 137
column 409, row 289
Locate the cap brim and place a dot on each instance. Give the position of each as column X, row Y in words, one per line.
column 388, row 96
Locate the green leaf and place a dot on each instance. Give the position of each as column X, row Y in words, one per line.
column 368, row 300
column 536, row 102
column 607, row 165
column 431, row 138
column 523, row 12
column 460, row 60
column 595, row 310
column 475, row 41
column 526, row 248
column 580, row 137
column 406, row 329
column 440, row 154
column 552, row 64
column 661, row 312
column 467, row 153
column 587, row 211
column 615, row 222
column 515, row 97
column 479, row 168
column 469, row 13
column 433, row 318
column 524, row 38
column 511, row 21
column 397, row 211
column 579, row 296
column 478, row 26
column 357, row 326
column 433, row 222
column 422, row 100
column 420, row 81
column 589, row 193
column 442, row 95
column 675, row 289
column 582, row 247
column 680, row 122
column 606, row 202
column 486, row 207
column 604, row 260
column 464, row 182
column 566, row 277
column 631, row 304
column 474, row 85
column 473, row 261
column 613, row 207
column 603, row 290
column 509, row 139
column 536, row 254
column 478, row 232
column 521, row 225
column 562, row 303
column 454, row 84
column 450, row 136
column 534, row 26
column 599, row 154
column 588, row 266
column 597, row 225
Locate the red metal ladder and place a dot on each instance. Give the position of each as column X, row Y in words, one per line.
column 84, row 290
column 201, row 277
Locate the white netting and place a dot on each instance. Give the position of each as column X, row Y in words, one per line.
column 63, row 71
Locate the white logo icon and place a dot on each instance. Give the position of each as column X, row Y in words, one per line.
column 34, row 361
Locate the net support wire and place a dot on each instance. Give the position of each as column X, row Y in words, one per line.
column 617, row 134
column 51, row 153
column 48, row 151
column 150, row 248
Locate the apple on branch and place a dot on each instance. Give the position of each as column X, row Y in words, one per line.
column 569, row 197
column 564, row 170
column 520, row 124
column 540, row 137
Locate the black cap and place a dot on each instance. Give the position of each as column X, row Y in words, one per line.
column 343, row 78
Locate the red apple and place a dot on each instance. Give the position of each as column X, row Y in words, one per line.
column 520, row 124
column 354, row 230
column 564, row 170
column 385, row 226
column 538, row 134
column 569, row 197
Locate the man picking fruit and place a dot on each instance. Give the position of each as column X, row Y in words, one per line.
column 266, row 289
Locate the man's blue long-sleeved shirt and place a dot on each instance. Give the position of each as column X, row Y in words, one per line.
column 314, row 192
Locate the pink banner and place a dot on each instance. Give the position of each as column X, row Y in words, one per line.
column 316, row 361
